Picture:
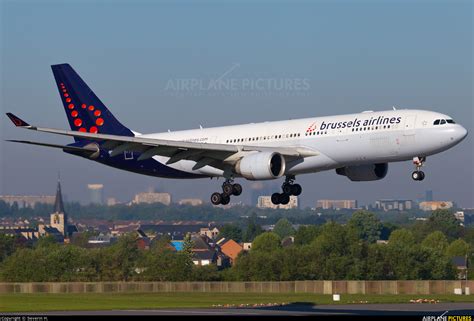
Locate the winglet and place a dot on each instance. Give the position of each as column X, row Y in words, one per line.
column 18, row 122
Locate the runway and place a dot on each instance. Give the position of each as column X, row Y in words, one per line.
column 295, row 309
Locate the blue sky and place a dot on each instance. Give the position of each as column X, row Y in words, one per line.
column 355, row 55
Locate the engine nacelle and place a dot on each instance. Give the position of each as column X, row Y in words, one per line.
column 261, row 165
column 359, row 173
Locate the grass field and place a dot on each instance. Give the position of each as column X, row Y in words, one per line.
column 121, row 301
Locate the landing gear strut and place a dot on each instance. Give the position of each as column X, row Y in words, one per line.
column 289, row 189
column 228, row 189
column 418, row 175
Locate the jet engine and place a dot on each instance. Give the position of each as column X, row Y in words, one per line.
column 261, row 165
column 359, row 173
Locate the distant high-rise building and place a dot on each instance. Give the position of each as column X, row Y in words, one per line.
column 111, row 201
column 429, row 196
column 149, row 198
column 336, row 204
column 393, row 205
column 266, row 202
column 27, row 200
column 435, row 205
column 96, row 193
column 191, row 201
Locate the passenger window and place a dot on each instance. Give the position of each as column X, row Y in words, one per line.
column 443, row 122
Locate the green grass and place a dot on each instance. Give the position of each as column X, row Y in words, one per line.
column 121, row 301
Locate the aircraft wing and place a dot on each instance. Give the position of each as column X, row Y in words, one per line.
column 203, row 153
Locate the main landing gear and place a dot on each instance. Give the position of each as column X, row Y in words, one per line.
column 228, row 189
column 288, row 188
column 418, row 175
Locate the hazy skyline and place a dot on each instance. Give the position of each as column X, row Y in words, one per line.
column 153, row 64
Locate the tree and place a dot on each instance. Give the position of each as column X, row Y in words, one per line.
column 306, row 234
column 231, row 232
column 46, row 242
column 161, row 263
column 267, row 242
column 436, row 241
column 366, row 225
column 458, row 247
column 187, row 253
column 7, row 246
column 404, row 255
column 252, row 230
column 437, row 265
column 335, row 254
column 283, row 228
column 125, row 253
column 444, row 221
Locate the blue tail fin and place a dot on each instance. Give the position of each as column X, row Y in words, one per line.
column 85, row 112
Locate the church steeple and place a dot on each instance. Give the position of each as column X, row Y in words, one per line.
column 58, row 203
column 59, row 217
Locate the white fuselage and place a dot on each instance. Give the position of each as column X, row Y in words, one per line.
column 343, row 140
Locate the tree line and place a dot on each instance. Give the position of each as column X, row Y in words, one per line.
column 351, row 251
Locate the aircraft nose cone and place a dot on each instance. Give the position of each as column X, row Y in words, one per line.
column 461, row 133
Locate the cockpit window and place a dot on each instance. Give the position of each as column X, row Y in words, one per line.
column 442, row 122
column 436, row 122
column 450, row 121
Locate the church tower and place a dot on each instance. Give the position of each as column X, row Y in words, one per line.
column 59, row 217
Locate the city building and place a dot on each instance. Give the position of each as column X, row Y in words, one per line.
column 102, row 240
column 393, row 205
column 435, row 205
column 459, row 215
column 191, row 201
column 210, row 232
column 266, row 202
column 27, row 200
column 429, row 196
column 230, row 248
column 58, row 227
column 174, row 232
column 111, row 201
column 152, row 197
column 336, row 204
column 96, row 193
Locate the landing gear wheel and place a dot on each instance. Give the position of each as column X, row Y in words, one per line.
column 275, row 198
column 216, row 198
column 296, row 189
column 287, row 188
column 422, row 176
column 225, row 199
column 227, row 188
column 418, row 175
column 284, row 198
column 236, row 189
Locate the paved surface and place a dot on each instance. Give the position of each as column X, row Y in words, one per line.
column 299, row 309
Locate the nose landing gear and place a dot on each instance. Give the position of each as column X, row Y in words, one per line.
column 418, row 175
column 289, row 189
column 228, row 189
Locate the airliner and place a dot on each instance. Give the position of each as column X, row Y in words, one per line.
column 358, row 146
